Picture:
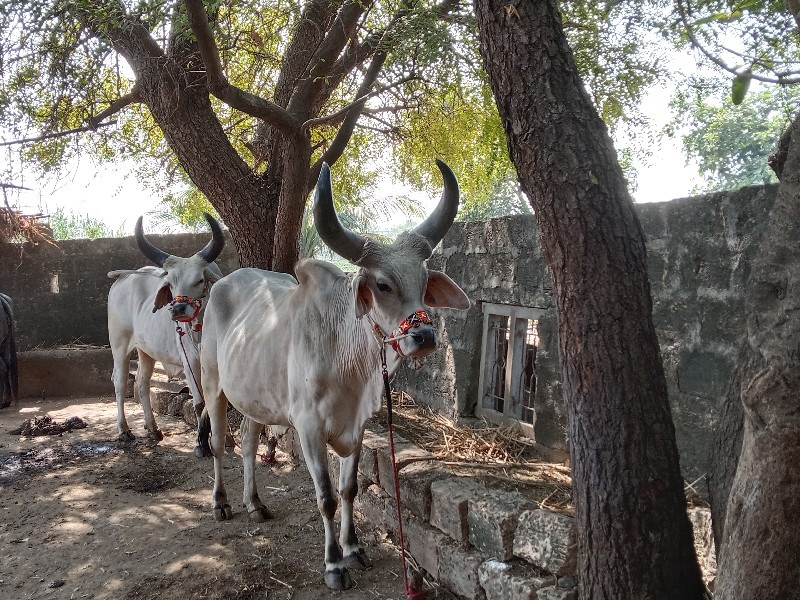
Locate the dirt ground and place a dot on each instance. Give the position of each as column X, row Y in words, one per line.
column 83, row 516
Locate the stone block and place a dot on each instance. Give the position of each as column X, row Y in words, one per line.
column 449, row 505
column 555, row 592
column 368, row 462
column 492, row 519
column 704, row 541
column 423, row 542
column 458, row 571
column 415, row 486
column 188, row 412
column 371, row 503
column 547, row 540
column 511, row 581
column 405, row 454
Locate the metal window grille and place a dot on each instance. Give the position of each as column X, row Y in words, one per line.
column 508, row 365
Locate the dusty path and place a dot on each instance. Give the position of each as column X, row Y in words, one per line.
column 111, row 520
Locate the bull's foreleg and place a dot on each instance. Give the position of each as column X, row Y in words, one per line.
column 315, row 452
column 144, row 373
column 216, row 408
column 354, row 555
column 250, row 437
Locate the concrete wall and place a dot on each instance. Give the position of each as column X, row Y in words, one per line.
column 699, row 252
column 76, row 313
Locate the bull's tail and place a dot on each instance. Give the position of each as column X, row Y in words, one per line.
column 203, row 434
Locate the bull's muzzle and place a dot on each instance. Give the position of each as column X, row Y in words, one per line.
column 424, row 338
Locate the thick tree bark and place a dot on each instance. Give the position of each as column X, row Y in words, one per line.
column 263, row 210
column 634, row 535
column 758, row 557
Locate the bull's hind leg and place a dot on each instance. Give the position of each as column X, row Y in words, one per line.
column 315, row 452
column 354, row 555
column 250, row 437
column 119, row 350
column 144, row 373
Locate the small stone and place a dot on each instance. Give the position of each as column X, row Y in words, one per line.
column 56, row 583
column 567, row 582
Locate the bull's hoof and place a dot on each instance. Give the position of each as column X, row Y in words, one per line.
column 338, row 579
column 223, row 513
column 201, row 452
column 126, row 436
column 155, row 435
column 260, row 514
column 357, row 560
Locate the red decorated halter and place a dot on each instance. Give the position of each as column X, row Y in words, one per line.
column 414, row 320
column 196, row 303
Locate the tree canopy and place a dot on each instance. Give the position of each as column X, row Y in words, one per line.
column 62, row 69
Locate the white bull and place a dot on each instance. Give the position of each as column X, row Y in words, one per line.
column 302, row 354
column 136, row 321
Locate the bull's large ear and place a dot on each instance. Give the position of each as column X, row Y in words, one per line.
column 212, row 275
column 443, row 292
column 362, row 295
column 163, row 297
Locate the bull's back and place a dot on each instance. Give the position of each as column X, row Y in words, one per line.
column 246, row 333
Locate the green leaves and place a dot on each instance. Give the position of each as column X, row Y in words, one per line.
column 741, row 83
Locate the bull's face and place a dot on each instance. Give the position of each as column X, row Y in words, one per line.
column 393, row 286
column 186, row 280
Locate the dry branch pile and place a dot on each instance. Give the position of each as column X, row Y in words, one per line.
column 15, row 225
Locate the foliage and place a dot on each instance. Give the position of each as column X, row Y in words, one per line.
column 731, row 142
column 57, row 72
column 748, row 39
column 68, row 225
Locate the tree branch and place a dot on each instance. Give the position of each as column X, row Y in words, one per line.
column 218, row 84
column 780, row 78
column 339, row 143
column 116, row 106
column 355, row 103
column 58, row 134
column 324, row 59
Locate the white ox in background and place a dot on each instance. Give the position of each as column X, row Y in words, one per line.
column 135, row 320
column 302, row 354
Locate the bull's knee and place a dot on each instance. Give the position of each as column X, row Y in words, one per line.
column 349, row 493
column 327, row 501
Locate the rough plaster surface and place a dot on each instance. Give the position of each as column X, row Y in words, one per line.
column 76, row 313
column 699, row 255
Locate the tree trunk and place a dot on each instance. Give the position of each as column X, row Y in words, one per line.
column 727, row 445
column 758, row 557
column 634, row 536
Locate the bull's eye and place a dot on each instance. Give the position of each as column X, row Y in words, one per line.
column 199, row 282
column 383, row 287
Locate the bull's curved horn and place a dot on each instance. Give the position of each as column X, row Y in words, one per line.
column 150, row 251
column 439, row 221
column 336, row 236
column 214, row 247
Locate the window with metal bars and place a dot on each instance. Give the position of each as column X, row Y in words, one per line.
column 508, row 365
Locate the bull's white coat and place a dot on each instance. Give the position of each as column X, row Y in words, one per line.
column 139, row 316
column 303, row 352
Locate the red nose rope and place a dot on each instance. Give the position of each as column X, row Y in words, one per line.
column 418, row 318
